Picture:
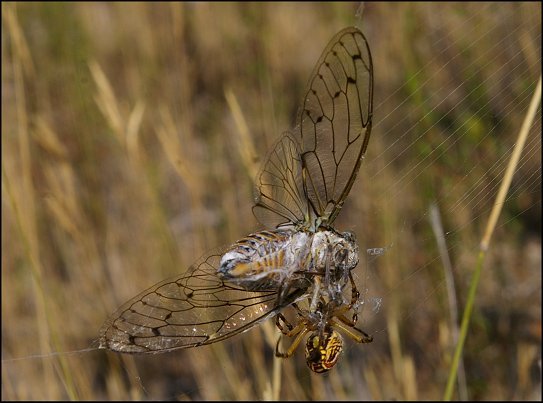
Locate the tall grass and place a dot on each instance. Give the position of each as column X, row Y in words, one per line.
column 131, row 134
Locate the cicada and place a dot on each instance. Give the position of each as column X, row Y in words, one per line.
column 300, row 259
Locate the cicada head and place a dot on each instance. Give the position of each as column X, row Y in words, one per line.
column 346, row 251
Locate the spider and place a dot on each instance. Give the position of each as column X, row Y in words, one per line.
column 324, row 344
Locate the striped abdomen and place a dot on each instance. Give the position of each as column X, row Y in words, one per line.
column 265, row 259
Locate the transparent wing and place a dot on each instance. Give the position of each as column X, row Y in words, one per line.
column 310, row 172
column 194, row 309
column 280, row 196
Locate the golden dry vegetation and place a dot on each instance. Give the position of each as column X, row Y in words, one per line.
column 125, row 158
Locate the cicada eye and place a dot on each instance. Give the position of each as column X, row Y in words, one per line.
column 322, row 353
column 346, row 255
column 341, row 255
column 349, row 237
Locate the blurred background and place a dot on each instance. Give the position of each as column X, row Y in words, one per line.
column 131, row 136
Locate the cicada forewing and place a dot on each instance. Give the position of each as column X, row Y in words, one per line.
column 193, row 309
column 309, row 172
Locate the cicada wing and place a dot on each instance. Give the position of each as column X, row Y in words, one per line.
column 280, row 197
column 335, row 121
column 334, row 125
column 191, row 310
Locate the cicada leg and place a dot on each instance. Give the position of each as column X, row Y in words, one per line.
column 342, row 310
column 316, row 294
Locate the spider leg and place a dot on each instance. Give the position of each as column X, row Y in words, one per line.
column 345, row 320
column 346, row 325
column 281, row 318
column 353, row 332
column 300, row 331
